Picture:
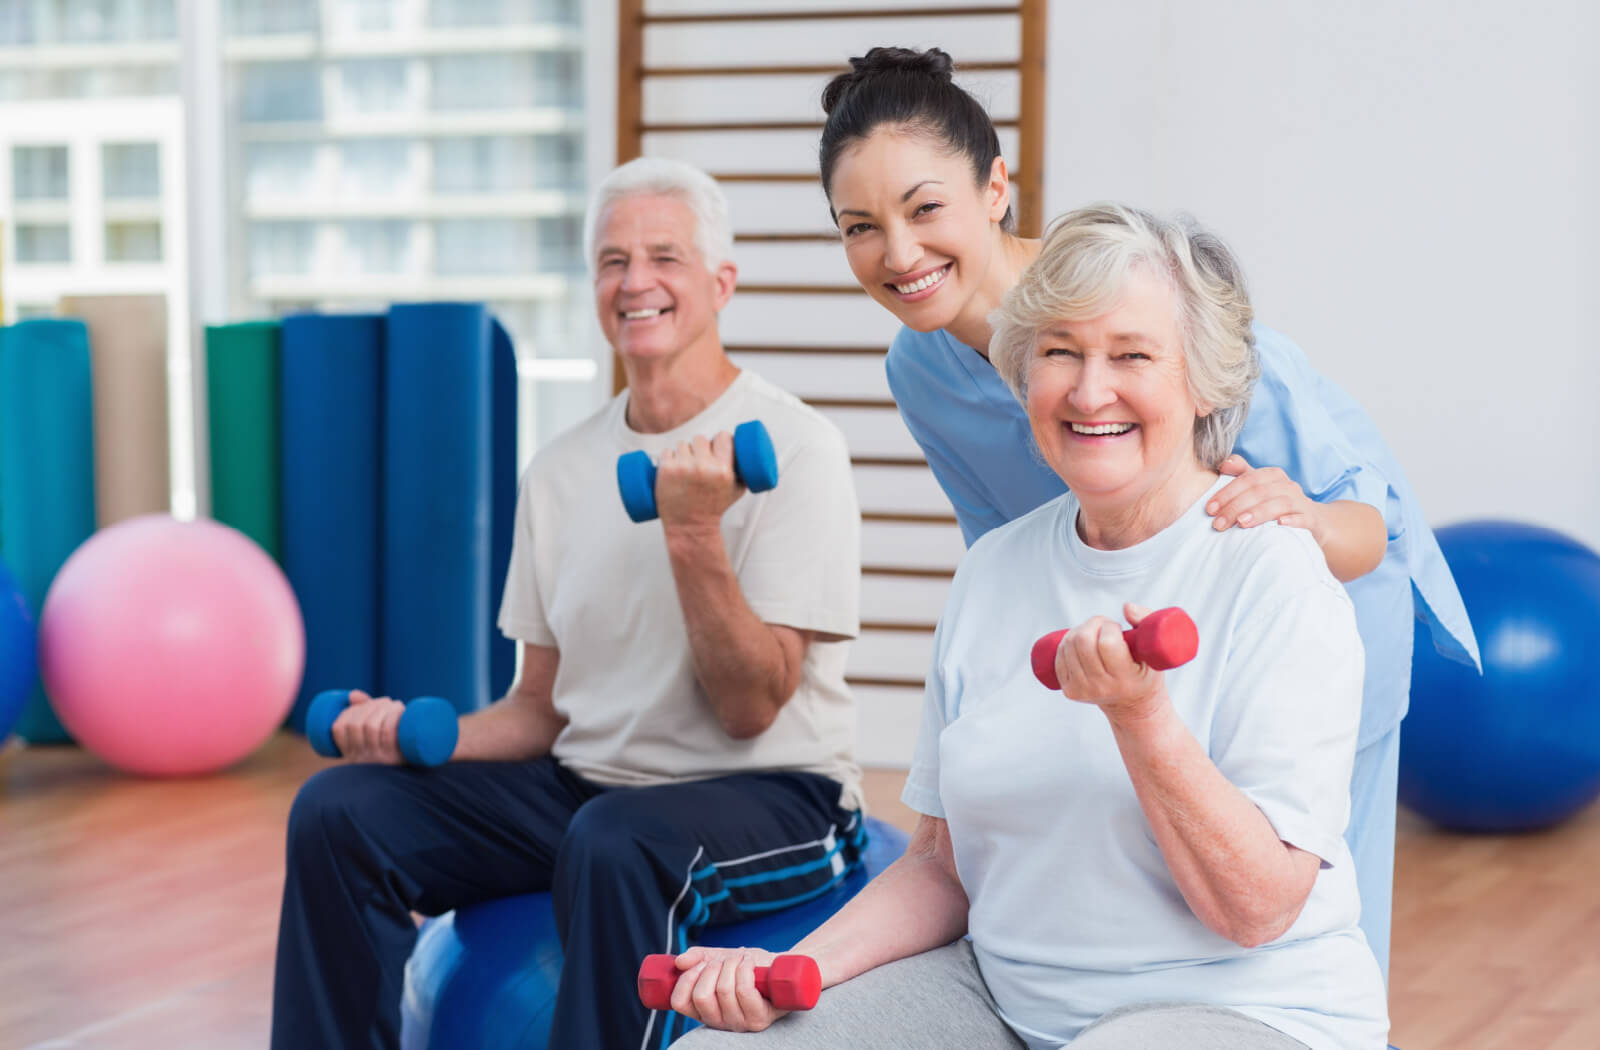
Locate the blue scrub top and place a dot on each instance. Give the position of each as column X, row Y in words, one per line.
column 977, row 440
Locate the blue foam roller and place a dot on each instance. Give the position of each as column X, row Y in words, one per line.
column 437, row 503
column 47, row 505
column 331, row 380
column 485, row 977
column 503, row 503
column 18, row 652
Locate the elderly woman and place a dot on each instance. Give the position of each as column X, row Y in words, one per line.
column 1144, row 859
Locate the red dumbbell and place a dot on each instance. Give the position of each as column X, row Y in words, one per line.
column 1163, row 640
column 792, row 982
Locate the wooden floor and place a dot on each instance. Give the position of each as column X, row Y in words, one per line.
column 142, row 914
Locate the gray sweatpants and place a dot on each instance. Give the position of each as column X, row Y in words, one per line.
column 937, row 1000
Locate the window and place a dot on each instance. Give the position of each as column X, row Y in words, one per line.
column 501, row 12
column 480, row 247
column 276, row 169
column 131, row 170
column 133, row 242
column 281, row 248
column 560, row 240
column 364, row 15
column 373, row 167
column 280, row 91
column 39, row 173
column 264, row 17
column 483, row 164
column 39, row 242
column 374, row 85
column 483, row 82
column 378, row 245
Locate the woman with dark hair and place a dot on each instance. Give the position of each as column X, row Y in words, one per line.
column 912, row 168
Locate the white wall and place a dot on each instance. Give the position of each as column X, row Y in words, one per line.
column 1411, row 187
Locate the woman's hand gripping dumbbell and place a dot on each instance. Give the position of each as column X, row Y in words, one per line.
column 425, row 736
column 755, row 465
column 792, row 982
column 1162, row 640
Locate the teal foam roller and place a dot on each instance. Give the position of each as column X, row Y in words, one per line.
column 428, row 728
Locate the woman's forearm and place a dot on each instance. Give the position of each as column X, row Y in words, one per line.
column 917, row 904
column 1238, row 877
column 1353, row 537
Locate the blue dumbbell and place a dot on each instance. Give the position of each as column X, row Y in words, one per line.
column 754, row 462
column 427, row 727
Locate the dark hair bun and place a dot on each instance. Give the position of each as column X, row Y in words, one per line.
column 884, row 61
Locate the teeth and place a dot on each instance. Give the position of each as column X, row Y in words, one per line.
column 640, row 315
column 1101, row 428
column 926, row 282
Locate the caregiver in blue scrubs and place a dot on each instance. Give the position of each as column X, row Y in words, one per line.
column 912, row 169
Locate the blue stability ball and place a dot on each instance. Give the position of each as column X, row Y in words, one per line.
column 484, row 978
column 1519, row 747
column 18, row 653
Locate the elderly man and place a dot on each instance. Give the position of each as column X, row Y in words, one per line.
column 681, row 720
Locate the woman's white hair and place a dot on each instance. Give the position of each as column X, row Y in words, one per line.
column 1083, row 268
column 713, row 231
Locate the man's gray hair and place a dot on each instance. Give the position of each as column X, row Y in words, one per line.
column 1082, row 270
column 713, row 231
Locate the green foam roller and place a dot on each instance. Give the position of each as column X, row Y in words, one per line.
column 242, row 395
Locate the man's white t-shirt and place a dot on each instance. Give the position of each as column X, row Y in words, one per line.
column 1073, row 909
column 589, row 581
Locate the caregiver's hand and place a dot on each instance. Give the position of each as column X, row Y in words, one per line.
column 718, row 989
column 1258, row 494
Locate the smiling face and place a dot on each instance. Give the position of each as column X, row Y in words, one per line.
column 1108, row 399
column 919, row 233
column 654, row 295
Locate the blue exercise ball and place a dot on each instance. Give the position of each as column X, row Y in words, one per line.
column 1517, row 748
column 484, row 977
column 18, row 653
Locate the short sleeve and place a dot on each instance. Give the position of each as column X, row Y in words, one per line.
column 1290, row 426
column 522, row 616
column 921, row 792
column 974, row 511
column 1285, row 734
column 803, row 566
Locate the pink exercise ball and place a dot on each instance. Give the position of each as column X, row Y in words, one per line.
column 171, row 648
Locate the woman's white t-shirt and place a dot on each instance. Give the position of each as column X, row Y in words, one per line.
column 1073, row 909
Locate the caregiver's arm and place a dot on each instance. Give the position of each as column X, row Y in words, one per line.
column 915, row 905
column 1352, row 535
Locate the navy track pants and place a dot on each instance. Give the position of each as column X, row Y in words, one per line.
column 631, row 871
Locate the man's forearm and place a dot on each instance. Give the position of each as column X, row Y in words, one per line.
column 743, row 668
column 525, row 723
column 506, row 732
